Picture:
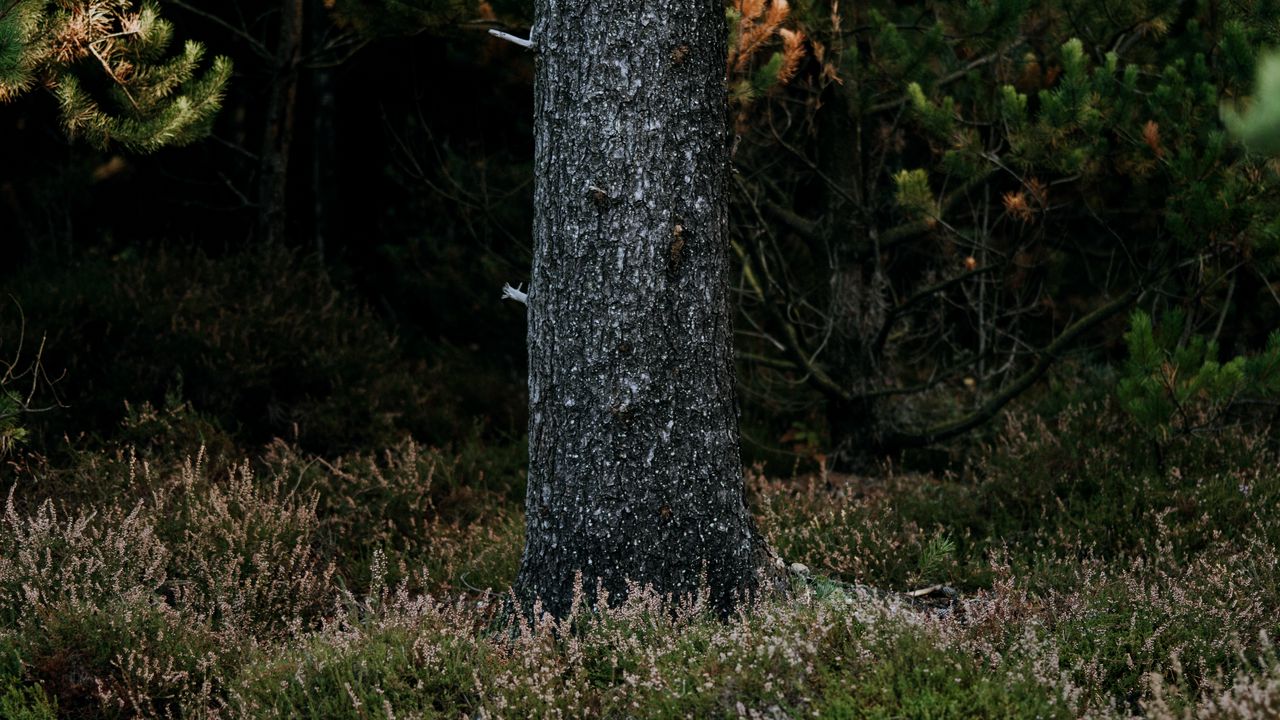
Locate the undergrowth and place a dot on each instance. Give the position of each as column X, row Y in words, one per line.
column 160, row 578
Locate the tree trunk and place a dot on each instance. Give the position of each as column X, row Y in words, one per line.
column 634, row 465
column 854, row 431
column 324, row 135
column 273, row 171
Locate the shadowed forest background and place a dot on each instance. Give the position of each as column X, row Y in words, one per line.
column 1007, row 307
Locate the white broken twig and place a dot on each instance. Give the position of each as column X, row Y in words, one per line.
column 526, row 44
column 510, row 293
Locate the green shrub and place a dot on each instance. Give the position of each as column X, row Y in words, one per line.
column 19, row 699
column 128, row 657
column 1174, row 385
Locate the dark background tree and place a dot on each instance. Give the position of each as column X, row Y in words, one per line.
column 425, row 206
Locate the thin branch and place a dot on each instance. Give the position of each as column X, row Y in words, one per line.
column 955, row 75
column 996, row 403
column 258, row 47
column 775, row 363
column 1222, row 316
column 803, row 227
column 896, row 311
column 906, row 231
column 522, row 42
column 819, row 378
column 107, row 66
column 936, row 378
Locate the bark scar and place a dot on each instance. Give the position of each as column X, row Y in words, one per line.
column 599, row 197
column 675, row 250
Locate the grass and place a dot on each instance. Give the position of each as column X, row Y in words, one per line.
column 137, row 581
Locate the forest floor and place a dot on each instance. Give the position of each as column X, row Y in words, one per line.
column 168, row 559
column 158, row 578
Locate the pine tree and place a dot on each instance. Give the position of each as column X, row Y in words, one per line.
column 635, row 472
column 1259, row 127
column 1173, row 384
column 948, row 196
column 107, row 63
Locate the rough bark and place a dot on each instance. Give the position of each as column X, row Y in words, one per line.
column 634, row 465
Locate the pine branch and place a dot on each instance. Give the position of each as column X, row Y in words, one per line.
column 901, row 233
column 153, row 101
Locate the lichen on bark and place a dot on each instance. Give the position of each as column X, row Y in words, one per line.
column 634, row 464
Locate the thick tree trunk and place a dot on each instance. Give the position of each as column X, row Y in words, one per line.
column 634, row 465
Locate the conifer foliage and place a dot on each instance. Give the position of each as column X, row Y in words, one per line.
column 108, row 64
column 1175, row 385
column 946, row 197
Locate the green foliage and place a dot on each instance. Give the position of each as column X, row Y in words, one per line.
column 151, row 100
column 1096, row 581
column 939, row 212
column 826, row 660
column 450, row 518
column 383, row 669
column 1259, row 127
column 1069, row 520
column 344, row 587
column 1174, row 385
column 766, row 76
column 938, row 118
column 18, row 699
column 913, row 193
column 12, row 433
column 936, row 556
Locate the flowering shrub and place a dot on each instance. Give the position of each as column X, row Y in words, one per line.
column 374, row 585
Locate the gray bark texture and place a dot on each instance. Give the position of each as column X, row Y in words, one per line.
column 634, row 465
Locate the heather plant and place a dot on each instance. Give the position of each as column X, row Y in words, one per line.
column 1252, row 692
column 1086, row 582
column 640, row 658
column 854, row 529
column 261, row 344
column 1070, row 538
column 434, row 518
column 245, row 552
column 371, row 585
column 1185, row 622
column 86, row 557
